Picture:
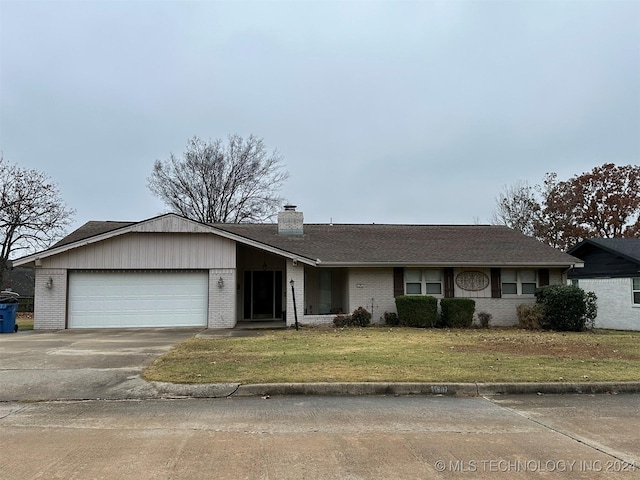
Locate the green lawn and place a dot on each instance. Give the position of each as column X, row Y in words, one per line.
column 24, row 321
column 381, row 354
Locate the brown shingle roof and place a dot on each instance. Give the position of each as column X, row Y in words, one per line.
column 91, row 229
column 408, row 244
column 352, row 244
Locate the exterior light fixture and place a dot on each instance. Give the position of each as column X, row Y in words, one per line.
column 220, row 282
column 49, row 283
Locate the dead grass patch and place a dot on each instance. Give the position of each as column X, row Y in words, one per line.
column 407, row 355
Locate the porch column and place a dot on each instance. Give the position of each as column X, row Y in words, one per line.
column 295, row 273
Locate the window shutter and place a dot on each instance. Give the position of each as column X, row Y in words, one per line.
column 543, row 277
column 496, row 288
column 398, row 281
column 449, row 289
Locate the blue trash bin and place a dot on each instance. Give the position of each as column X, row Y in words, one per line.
column 8, row 317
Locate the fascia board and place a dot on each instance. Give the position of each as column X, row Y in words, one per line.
column 576, row 264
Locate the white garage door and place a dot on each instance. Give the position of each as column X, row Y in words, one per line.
column 137, row 299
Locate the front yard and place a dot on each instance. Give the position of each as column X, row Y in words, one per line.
column 381, row 354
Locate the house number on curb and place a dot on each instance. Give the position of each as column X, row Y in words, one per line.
column 472, row 281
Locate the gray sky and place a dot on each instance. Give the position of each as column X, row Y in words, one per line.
column 385, row 112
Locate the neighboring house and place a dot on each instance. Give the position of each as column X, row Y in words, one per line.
column 612, row 271
column 171, row 271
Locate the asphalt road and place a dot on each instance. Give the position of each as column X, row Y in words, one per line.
column 371, row 437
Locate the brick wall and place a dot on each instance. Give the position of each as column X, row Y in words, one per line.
column 371, row 288
column 615, row 303
column 504, row 311
column 50, row 306
column 222, row 300
column 295, row 273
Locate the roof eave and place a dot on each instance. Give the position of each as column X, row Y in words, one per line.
column 590, row 241
column 576, row 264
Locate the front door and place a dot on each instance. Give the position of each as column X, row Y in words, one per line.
column 263, row 295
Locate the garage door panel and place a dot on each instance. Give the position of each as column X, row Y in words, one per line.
column 137, row 299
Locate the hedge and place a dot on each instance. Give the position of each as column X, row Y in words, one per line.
column 565, row 307
column 417, row 311
column 456, row 312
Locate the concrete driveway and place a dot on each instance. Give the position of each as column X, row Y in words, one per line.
column 82, row 364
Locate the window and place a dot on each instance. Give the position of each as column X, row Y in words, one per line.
column 423, row 282
column 325, row 292
column 636, row 291
column 518, row 282
column 528, row 281
column 413, row 282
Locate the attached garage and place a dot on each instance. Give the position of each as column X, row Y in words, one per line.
column 108, row 299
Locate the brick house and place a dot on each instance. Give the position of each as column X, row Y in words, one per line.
column 169, row 271
column 612, row 271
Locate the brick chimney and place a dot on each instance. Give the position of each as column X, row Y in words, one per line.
column 290, row 221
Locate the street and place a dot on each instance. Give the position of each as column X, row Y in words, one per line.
column 369, row 437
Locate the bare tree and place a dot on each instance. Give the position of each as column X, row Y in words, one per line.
column 32, row 213
column 517, row 208
column 221, row 183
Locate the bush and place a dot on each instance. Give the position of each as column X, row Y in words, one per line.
column 417, row 311
column 565, row 307
column 456, row 312
column 391, row 319
column 484, row 319
column 530, row 317
column 359, row 318
column 342, row 321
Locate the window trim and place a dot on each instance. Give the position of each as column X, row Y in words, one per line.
column 424, row 282
column 519, row 283
column 635, row 291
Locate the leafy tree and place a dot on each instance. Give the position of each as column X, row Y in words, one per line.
column 32, row 213
column 604, row 202
column 215, row 182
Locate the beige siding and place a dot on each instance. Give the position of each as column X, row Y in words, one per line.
column 150, row 251
column 170, row 223
column 461, row 293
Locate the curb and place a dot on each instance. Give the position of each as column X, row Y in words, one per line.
column 382, row 388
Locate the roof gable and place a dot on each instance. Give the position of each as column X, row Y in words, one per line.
column 607, row 257
column 92, row 232
column 627, row 248
column 350, row 244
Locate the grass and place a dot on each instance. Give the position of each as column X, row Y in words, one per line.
column 24, row 321
column 408, row 355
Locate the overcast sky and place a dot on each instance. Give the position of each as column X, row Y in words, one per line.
column 384, row 112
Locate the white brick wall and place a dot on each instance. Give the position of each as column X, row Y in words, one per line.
column 50, row 308
column 367, row 286
column 222, row 300
column 615, row 303
column 504, row 311
column 295, row 273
